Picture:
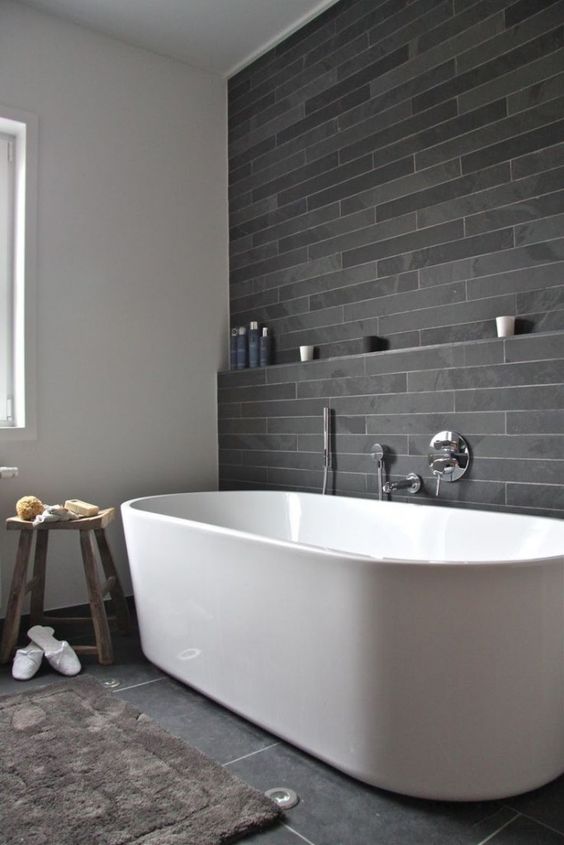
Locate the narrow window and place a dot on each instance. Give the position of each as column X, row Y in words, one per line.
column 18, row 133
column 7, row 250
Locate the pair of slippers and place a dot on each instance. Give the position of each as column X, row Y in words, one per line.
column 59, row 654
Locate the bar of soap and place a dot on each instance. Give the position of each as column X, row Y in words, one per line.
column 81, row 508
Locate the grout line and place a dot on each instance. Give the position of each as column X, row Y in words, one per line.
column 251, row 754
column 295, row 832
column 537, row 821
column 503, row 826
column 141, row 684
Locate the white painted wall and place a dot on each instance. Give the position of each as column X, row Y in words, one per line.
column 132, row 284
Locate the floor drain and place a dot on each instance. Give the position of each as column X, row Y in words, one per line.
column 284, row 797
column 111, row 683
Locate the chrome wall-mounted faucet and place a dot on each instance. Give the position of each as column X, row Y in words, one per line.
column 411, row 483
column 449, row 457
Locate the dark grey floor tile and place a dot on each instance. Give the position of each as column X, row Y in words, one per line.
column 487, row 828
column 45, row 676
column 129, row 667
column 337, row 810
column 525, row 831
column 213, row 729
column 127, row 674
column 546, row 804
column 279, row 835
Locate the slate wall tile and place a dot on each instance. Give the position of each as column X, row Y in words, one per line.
column 530, row 74
column 482, row 146
column 494, row 262
column 546, row 159
column 386, row 383
column 367, row 291
column 459, row 23
column 428, row 424
column 401, row 93
column 445, row 192
column 328, row 231
column 532, row 397
column 508, row 215
column 448, row 251
column 520, row 56
column 535, row 422
column 443, row 233
column 329, row 281
column 407, row 303
column 505, row 193
column 512, row 36
column 517, row 12
column 530, row 278
column 517, row 146
column 548, row 89
column 403, row 186
column 277, row 228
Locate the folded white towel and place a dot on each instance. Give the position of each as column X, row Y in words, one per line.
column 54, row 513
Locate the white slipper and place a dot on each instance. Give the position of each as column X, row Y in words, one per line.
column 59, row 653
column 26, row 662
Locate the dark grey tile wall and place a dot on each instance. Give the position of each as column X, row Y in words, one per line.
column 387, row 150
column 505, row 395
column 397, row 170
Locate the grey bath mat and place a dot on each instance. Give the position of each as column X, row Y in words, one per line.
column 78, row 765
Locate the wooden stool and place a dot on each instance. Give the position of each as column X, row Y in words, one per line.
column 88, row 528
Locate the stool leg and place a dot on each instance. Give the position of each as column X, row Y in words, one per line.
column 97, row 609
column 38, row 584
column 16, row 597
column 121, row 609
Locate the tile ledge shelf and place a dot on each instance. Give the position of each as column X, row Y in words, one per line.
column 402, row 350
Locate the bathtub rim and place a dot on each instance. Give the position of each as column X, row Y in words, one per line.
column 324, row 551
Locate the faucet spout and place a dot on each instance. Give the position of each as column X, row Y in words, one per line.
column 411, row 483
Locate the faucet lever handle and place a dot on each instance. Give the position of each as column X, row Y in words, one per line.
column 438, row 476
column 442, row 445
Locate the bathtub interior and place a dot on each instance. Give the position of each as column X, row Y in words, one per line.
column 382, row 530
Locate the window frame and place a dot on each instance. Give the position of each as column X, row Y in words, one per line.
column 22, row 127
column 7, row 212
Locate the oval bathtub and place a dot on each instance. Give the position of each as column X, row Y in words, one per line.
column 419, row 649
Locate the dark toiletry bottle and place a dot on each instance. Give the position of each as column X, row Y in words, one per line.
column 265, row 349
column 253, row 344
column 233, row 349
column 241, row 348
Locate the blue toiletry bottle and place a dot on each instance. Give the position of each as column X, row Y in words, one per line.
column 265, row 349
column 253, row 344
column 233, row 349
column 242, row 358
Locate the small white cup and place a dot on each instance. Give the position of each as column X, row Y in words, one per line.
column 505, row 326
column 306, row 353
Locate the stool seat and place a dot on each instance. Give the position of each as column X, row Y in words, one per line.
column 92, row 534
column 84, row 523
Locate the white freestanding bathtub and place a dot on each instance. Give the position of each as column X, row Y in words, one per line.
column 420, row 649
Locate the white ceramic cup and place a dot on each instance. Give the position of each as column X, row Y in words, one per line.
column 306, row 353
column 505, row 326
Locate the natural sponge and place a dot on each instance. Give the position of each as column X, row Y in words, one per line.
column 28, row 507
